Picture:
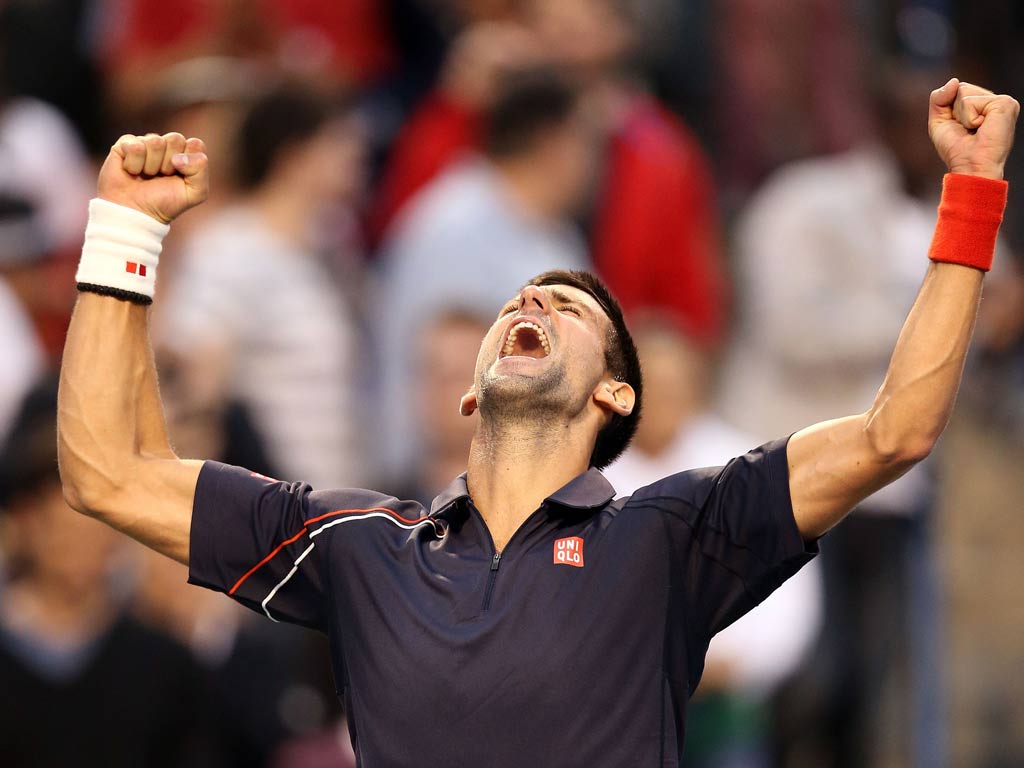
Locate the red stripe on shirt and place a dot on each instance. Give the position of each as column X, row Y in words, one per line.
column 305, row 529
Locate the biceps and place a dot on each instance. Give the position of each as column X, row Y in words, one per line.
column 155, row 505
column 832, row 467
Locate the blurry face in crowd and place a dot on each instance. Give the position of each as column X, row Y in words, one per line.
column 569, row 154
column 543, row 356
column 585, row 35
column 446, row 351
column 332, row 163
column 675, row 383
column 900, row 121
column 60, row 546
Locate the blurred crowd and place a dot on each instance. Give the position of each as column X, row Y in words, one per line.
column 752, row 178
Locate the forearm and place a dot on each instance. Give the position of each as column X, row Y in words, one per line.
column 115, row 461
column 920, row 387
column 108, row 417
column 834, row 465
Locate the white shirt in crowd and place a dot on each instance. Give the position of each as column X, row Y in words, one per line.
column 286, row 336
column 830, row 255
column 23, row 357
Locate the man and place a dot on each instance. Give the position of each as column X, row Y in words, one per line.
column 651, row 222
column 66, row 634
column 292, row 364
column 528, row 619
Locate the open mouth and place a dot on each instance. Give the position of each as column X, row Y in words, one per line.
column 526, row 339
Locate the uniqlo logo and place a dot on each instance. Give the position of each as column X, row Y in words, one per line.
column 135, row 268
column 569, row 551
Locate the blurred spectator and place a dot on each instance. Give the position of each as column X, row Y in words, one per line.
column 83, row 683
column 24, row 357
column 982, row 488
column 270, row 690
column 255, row 311
column 477, row 233
column 37, row 147
column 728, row 717
column 44, row 168
column 347, row 43
column 652, row 223
column 789, row 82
column 831, row 252
column 446, row 350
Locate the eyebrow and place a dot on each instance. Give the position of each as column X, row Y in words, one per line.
column 565, row 298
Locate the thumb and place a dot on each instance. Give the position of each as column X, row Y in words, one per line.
column 193, row 166
column 940, row 103
column 190, row 163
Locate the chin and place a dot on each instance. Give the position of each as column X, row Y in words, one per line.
column 519, row 391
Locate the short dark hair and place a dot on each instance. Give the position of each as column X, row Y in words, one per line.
column 529, row 103
column 286, row 115
column 620, row 357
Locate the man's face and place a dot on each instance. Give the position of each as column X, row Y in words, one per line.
column 544, row 355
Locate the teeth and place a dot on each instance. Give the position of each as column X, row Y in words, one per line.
column 510, row 342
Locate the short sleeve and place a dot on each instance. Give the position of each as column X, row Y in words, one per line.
column 249, row 539
column 736, row 540
column 746, row 542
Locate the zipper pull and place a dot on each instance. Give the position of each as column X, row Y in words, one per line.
column 495, row 561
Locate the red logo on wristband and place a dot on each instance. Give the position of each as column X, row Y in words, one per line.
column 135, row 269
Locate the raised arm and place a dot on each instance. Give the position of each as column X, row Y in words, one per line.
column 116, row 462
column 834, row 465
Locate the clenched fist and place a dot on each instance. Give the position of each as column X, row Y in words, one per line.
column 972, row 128
column 162, row 176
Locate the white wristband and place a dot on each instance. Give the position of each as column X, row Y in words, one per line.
column 121, row 251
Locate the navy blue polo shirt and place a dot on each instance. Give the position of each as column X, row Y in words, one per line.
column 578, row 645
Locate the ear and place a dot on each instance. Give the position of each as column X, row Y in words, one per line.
column 467, row 405
column 615, row 396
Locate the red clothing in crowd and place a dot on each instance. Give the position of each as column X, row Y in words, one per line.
column 655, row 235
column 352, row 36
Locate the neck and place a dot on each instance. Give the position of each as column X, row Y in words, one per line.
column 285, row 211
column 64, row 615
column 530, row 188
column 514, row 467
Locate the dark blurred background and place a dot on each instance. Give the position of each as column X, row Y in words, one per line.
column 754, row 180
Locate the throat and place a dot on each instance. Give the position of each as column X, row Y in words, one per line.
column 511, row 473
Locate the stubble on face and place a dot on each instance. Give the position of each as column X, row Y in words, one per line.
column 545, row 397
column 511, row 394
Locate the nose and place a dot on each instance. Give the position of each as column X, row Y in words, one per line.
column 533, row 297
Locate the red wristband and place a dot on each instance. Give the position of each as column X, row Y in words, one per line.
column 969, row 216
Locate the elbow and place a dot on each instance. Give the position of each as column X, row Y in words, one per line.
column 86, row 486
column 914, row 450
column 82, row 495
column 91, row 498
column 900, row 449
column 72, row 497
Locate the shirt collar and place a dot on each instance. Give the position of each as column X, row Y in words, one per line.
column 588, row 490
column 456, row 491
